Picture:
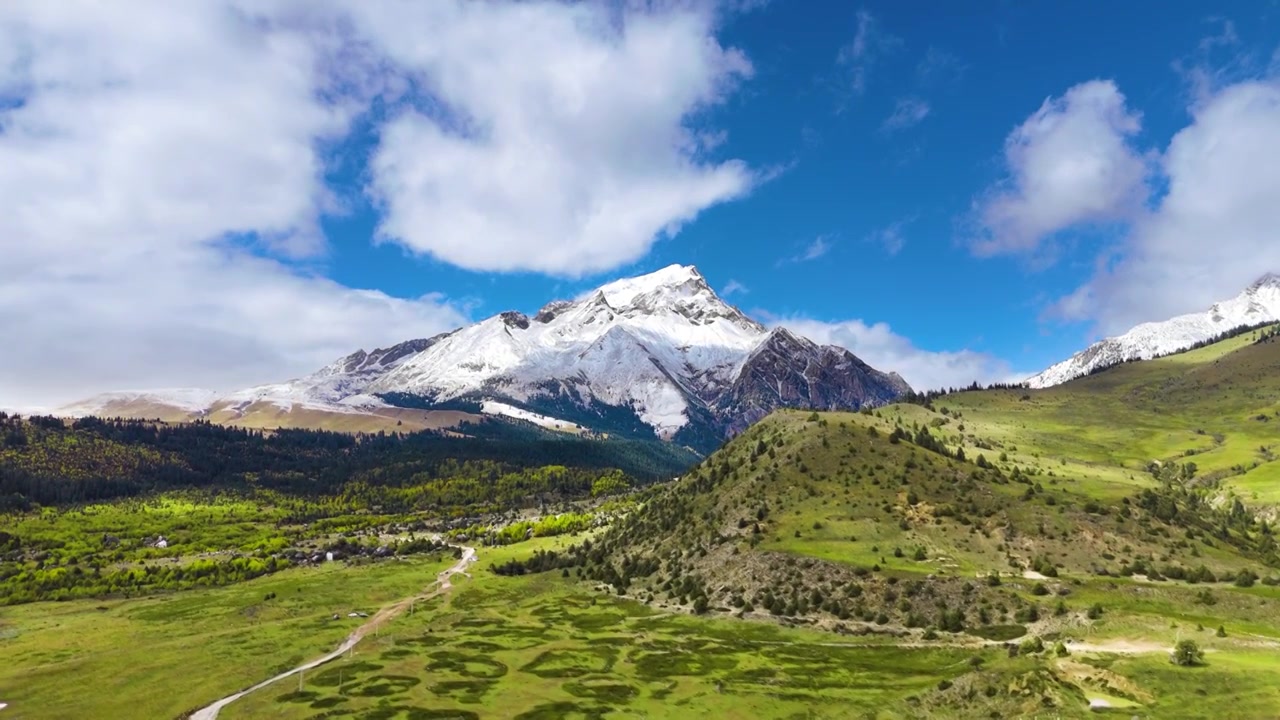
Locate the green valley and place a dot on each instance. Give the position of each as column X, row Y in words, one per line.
column 984, row 553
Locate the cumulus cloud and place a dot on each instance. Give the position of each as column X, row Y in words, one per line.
column 1071, row 163
column 885, row 350
column 560, row 138
column 907, row 112
column 158, row 182
column 163, row 182
column 1215, row 230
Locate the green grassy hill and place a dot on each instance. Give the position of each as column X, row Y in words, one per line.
column 1105, row 511
column 828, row 500
column 1217, row 407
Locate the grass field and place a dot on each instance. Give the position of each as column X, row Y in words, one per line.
column 546, row 647
column 158, row 657
column 1217, row 406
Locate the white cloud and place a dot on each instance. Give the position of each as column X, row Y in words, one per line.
column 1217, row 228
column 190, row 317
column 571, row 140
column 870, row 43
column 131, row 153
column 162, row 183
column 907, row 112
column 885, row 350
column 734, row 287
column 1070, row 163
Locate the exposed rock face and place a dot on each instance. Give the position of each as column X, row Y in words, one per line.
column 791, row 371
column 360, row 361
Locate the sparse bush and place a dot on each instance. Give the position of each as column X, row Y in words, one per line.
column 1187, row 653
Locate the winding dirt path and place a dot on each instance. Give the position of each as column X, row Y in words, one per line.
column 442, row 585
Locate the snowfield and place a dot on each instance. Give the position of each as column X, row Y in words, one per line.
column 493, row 407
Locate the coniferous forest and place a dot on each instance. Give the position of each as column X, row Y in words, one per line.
column 47, row 461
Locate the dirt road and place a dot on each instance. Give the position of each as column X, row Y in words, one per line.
column 442, row 584
column 1118, row 647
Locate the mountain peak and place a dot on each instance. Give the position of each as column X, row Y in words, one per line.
column 676, row 290
column 1269, row 280
column 673, row 278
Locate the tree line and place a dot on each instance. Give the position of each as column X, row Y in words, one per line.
column 46, row 461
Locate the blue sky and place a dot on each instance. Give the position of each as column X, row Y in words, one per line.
column 954, row 190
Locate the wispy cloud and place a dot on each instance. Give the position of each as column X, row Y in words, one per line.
column 907, row 112
column 891, row 237
column 1220, row 60
column 813, row 250
column 733, row 287
column 816, row 249
column 820, row 246
column 1226, row 37
column 939, row 68
column 870, row 43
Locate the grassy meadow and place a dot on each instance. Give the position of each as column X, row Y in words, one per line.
column 160, row 656
column 999, row 553
column 544, row 646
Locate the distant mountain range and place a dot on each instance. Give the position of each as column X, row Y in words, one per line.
column 1259, row 303
column 660, row 355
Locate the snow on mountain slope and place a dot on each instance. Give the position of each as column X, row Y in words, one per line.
column 1260, row 302
column 338, row 386
column 648, row 342
column 661, row 351
column 172, row 401
column 493, row 407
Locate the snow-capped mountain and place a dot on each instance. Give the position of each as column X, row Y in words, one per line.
column 1259, row 303
column 659, row 354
